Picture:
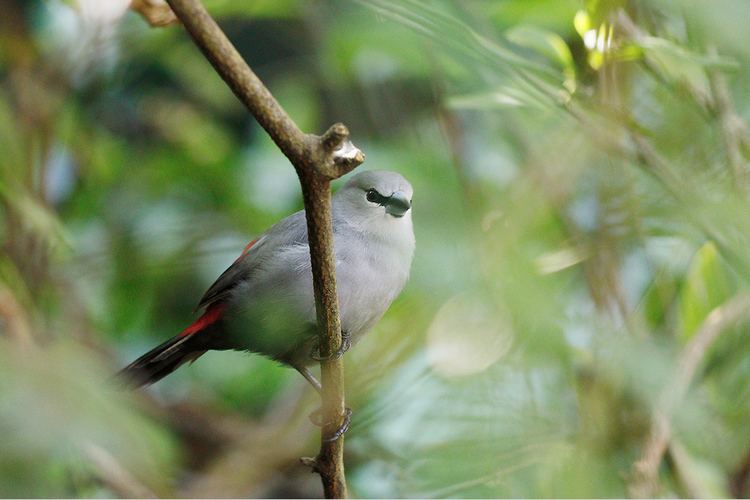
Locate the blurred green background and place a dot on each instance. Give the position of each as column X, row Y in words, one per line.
column 582, row 221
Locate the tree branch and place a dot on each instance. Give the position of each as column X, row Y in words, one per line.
column 155, row 12
column 645, row 472
column 317, row 160
column 118, row 479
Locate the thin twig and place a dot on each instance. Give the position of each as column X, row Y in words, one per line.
column 645, row 472
column 15, row 321
column 735, row 131
column 732, row 126
column 317, row 160
column 155, row 12
column 118, row 479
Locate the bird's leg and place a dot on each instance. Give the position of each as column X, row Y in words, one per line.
column 346, row 343
column 305, row 372
column 316, row 417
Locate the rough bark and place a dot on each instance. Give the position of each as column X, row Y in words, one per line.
column 317, row 160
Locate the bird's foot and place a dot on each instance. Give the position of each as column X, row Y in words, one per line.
column 346, row 343
column 316, row 418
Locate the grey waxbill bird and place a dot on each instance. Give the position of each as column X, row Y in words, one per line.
column 264, row 303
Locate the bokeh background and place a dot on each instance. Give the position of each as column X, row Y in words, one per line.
column 579, row 289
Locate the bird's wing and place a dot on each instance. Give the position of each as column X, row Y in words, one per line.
column 287, row 232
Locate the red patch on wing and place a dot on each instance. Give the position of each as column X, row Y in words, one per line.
column 247, row 249
column 211, row 316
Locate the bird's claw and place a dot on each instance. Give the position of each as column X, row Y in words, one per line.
column 342, row 428
column 346, row 343
column 316, row 418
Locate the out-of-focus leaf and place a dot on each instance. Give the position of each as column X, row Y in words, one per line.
column 203, row 138
column 195, row 74
column 467, row 336
column 582, row 22
column 549, row 44
column 680, row 65
column 13, row 279
column 260, row 8
column 37, row 217
column 453, row 33
column 59, row 401
column 723, row 22
column 549, row 14
column 374, row 55
column 701, row 478
column 707, row 286
column 11, row 143
column 659, row 299
column 599, row 10
column 502, row 98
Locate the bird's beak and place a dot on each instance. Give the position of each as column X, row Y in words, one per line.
column 398, row 204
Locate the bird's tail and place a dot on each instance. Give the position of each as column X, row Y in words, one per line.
column 161, row 361
column 189, row 345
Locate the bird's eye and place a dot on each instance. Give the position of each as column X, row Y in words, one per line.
column 373, row 196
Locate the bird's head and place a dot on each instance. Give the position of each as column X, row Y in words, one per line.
column 379, row 192
column 377, row 200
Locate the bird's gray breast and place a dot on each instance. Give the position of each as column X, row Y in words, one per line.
column 369, row 276
column 274, row 309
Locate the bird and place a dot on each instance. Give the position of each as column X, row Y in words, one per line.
column 264, row 303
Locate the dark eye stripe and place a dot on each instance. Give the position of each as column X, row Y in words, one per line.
column 374, row 197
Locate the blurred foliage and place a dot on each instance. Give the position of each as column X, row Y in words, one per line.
column 581, row 178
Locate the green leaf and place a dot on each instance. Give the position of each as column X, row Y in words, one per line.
column 550, row 45
column 256, row 9
column 61, row 405
column 707, row 286
column 658, row 299
column 680, row 65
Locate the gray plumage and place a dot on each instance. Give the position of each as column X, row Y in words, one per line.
column 266, row 296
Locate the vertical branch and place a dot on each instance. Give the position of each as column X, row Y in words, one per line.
column 317, row 192
column 317, row 160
